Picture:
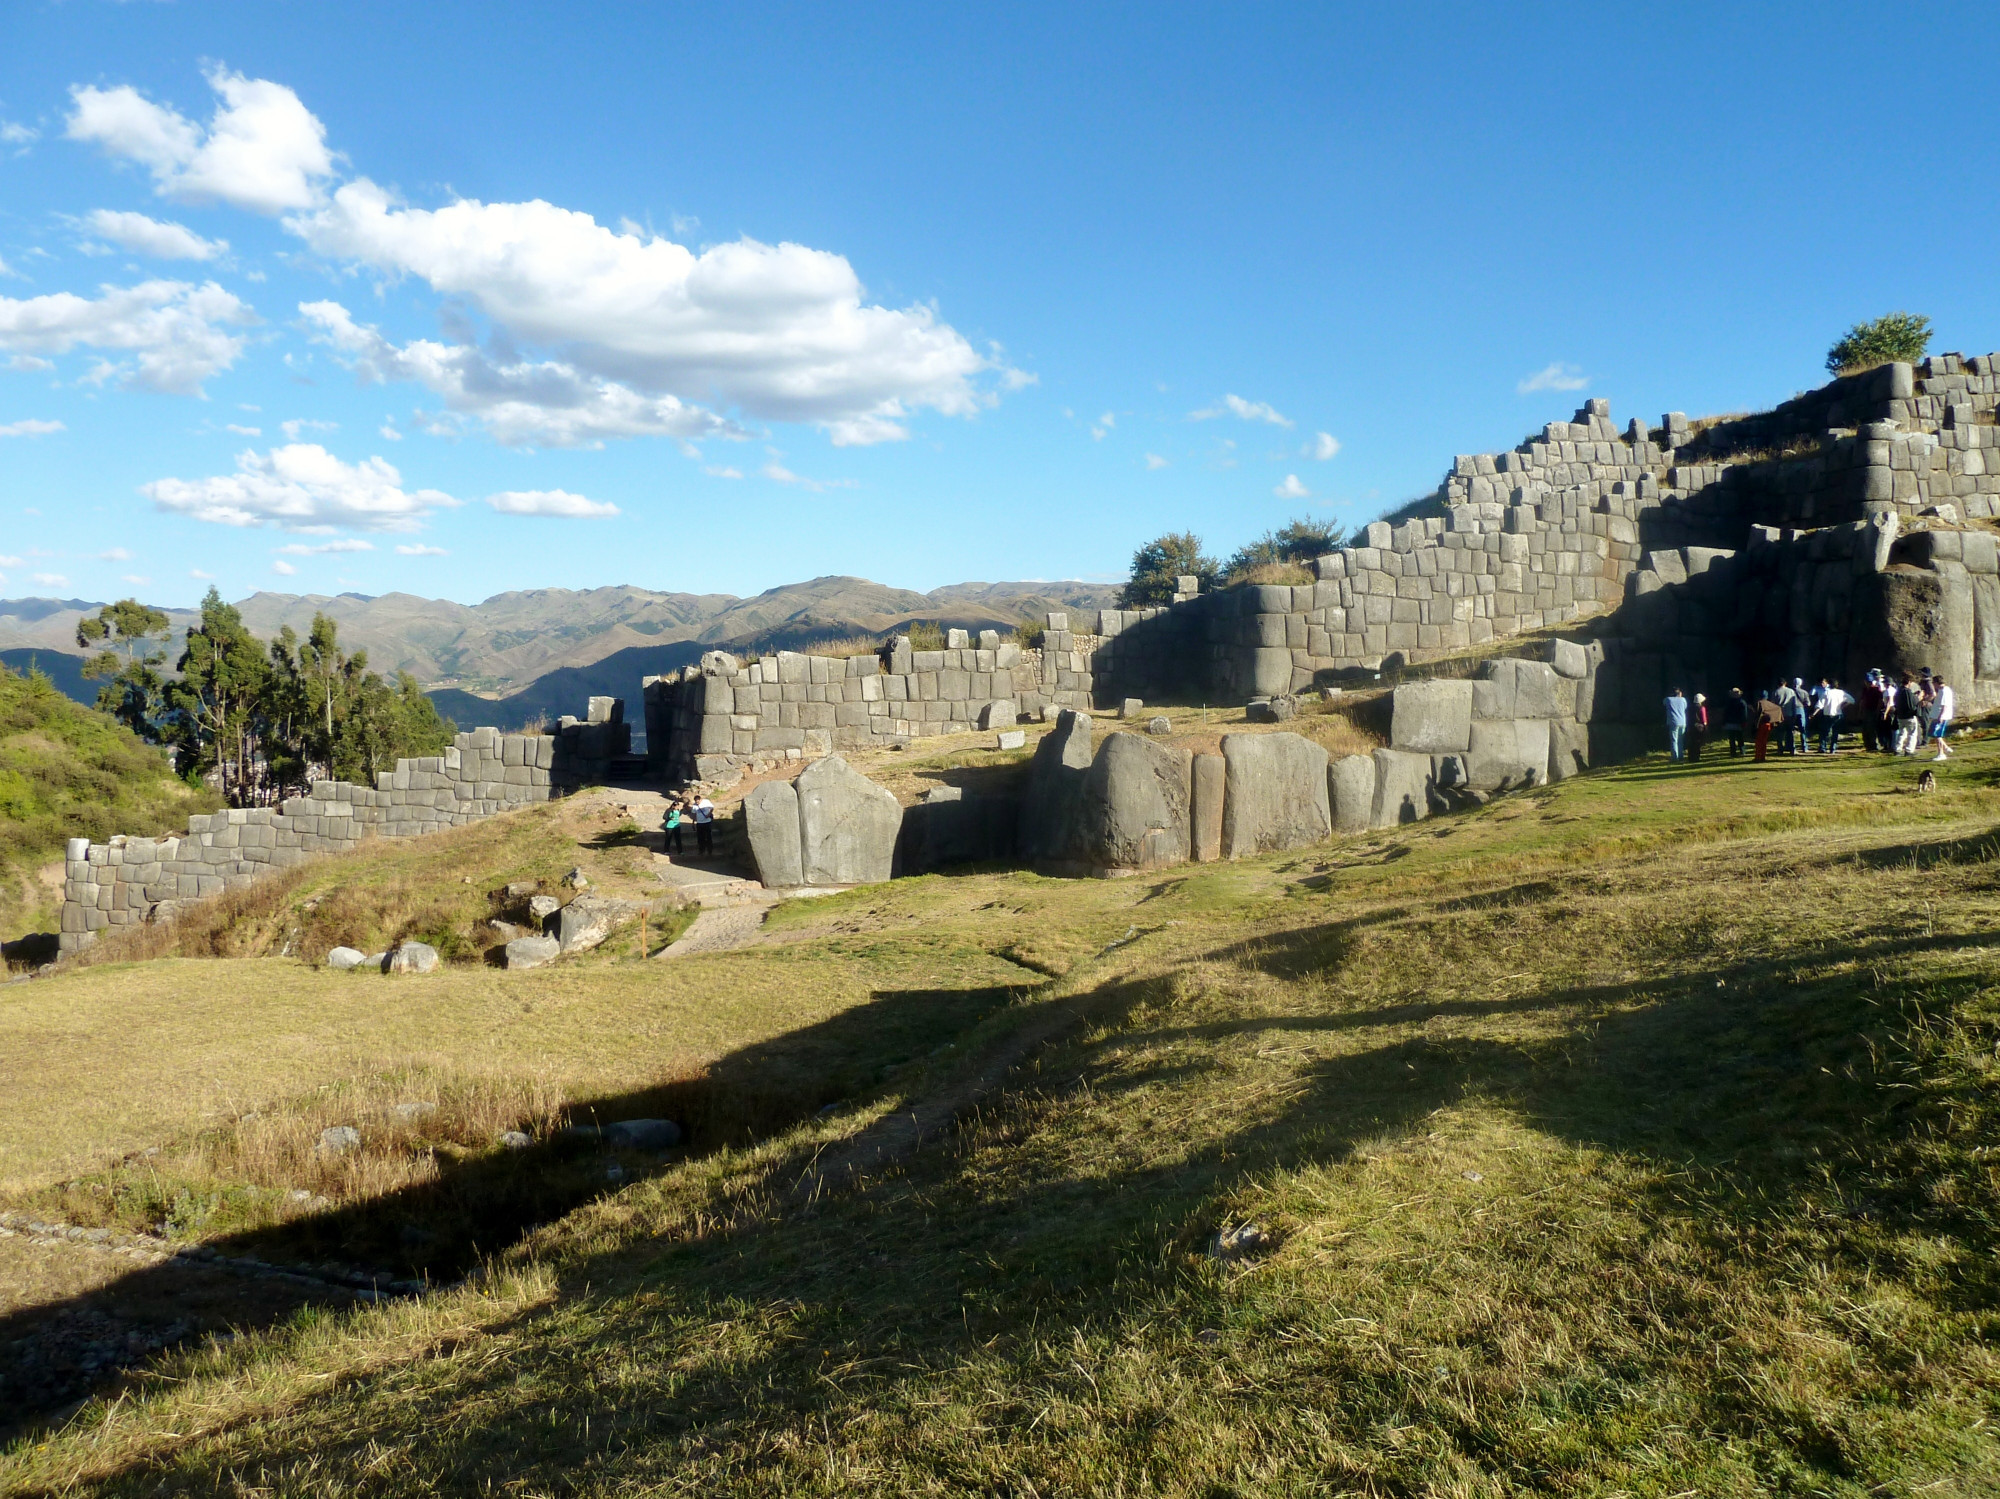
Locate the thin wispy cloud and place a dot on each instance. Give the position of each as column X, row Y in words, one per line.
column 553, row 502
column 420, row 550
column 344, row 544
column 1154, row 463
column 1249, row 411
column 1553, row 377
column 31, row 428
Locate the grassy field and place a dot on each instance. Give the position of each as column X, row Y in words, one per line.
column 1633, row 1137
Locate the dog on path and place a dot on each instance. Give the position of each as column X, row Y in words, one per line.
column 1927, row 781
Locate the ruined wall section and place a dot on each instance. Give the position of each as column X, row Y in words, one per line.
column 129, row 880
column 722, row 716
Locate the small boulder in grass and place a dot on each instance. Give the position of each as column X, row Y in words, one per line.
column 532, row 952
column 413, row 957
column 1246, row 1241
column 514, row 1139
column 542, row 907
column 343, row 958
column 1161, row 726
column 339, row 1139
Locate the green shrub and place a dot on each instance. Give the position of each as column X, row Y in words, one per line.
column 1896, row 337
column 1028, row 635
column 1157, row 564
column 1297, row 542
column 926, row 635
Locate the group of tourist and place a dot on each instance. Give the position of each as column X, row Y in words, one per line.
column 689, row 807
column 1892, row 717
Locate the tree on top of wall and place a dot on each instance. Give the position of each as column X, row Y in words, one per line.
column 1895, row 337
column 1298, row 542
column 1157, row 564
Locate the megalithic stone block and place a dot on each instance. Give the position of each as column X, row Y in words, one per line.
column 1208, row 777
column 1274, row 794
column 771, row 816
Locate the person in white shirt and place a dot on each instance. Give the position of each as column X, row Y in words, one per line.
column 704, row 825
column 1943, row 705
column 1831, row 703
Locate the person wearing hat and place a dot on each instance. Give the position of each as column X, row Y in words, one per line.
column 1832, row 702
column 1736, row 719
column 1697, row 731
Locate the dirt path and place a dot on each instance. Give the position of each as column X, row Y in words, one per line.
column 722, row 928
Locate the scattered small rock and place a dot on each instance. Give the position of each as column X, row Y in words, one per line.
column 514, row 1139
column 377, row 960
column 1474, row 1176
column 339, row 1139
column 1281, row 709
column 1012, row 739
column 506, row 930
column 343, row 958
column 576, row 880
column 542, row 907
column 1131, row 708
column 413, row 957
column 411, row 1112
column 519, row 888
column 1160, row 725
column 1247, row 1241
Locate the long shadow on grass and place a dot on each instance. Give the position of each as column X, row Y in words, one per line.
column 478, row 1205
column 1757, row 1092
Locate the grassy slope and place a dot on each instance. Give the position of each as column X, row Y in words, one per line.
column 67, row 771
column 1629, row 1137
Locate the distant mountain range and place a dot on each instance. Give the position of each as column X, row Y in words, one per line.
column 531, row 654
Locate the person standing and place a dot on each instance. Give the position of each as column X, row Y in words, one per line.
column 1868, row 704
column 1909, row 716
column 675, row 841
column 1697, row 734
column 1943, row 705
column 1832, row 705
column 1769, row 716
column 704, row 825
column 1677, row 724
column 1736, row 719
column 1785, row 697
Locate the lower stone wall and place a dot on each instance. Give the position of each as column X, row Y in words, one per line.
column 130, row 880
column 723, row 715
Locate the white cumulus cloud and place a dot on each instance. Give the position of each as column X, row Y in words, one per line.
column 301, row 487
column 116, row 554
column 549, row 502
column 521, row 402
column 146, row 236
column 138, row 578
column 51, row 580
column 1322, row 447
column 1553, row 377
column 30, row 427
column 262, row 149
column 420, row 550
column 782, row 332
column 299, row 425
column 282, row 566
column 173, row 330
column 1292, row 489
column 1236, row 406
column 1154, row 463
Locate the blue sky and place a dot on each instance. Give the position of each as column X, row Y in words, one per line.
column 372, row 297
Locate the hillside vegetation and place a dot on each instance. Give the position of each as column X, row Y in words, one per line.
column 67, row 771
column 1632, row 1136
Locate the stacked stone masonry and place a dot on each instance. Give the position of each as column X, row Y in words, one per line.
column 723, row 714
column 129, row 880
column 1553, row 531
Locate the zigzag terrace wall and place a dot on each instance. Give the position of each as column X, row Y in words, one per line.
column 484, row 772
column 1551, row 532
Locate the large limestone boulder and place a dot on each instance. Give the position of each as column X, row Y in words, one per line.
column 1351, row 793
column 532, row 952
column 1906, row 618
column 1207, row 784
column 847, row 825
column 1569, row 748
column 1508, row 688
column 1055, row 788
column 1137, row 804
column 1432, row 718
column 1507, row 754
column 771, row 818
column 1274, row 794
column 1402, row 787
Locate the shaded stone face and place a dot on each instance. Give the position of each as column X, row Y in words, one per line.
column 847, row 825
